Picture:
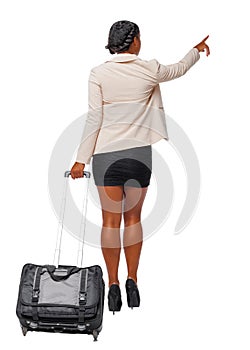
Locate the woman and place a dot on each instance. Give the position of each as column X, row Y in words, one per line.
column 125, row 117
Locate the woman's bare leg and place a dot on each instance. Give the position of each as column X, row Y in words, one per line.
column 133, row 234
column 111, row 202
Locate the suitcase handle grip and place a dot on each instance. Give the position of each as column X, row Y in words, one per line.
column 70, row 270
column 85, row 173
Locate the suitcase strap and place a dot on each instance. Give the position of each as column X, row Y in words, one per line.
column 83, row 296
column 35, row 293
column 82, row 293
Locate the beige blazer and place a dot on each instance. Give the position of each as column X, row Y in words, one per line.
column 125, row 104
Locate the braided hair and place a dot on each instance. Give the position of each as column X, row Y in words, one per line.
column 121, row 36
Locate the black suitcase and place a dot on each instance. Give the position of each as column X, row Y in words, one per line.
column 62, row 298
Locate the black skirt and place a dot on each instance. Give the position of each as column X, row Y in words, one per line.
column 129, row 167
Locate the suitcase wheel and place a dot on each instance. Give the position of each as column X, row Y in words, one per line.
column 95, row 334
column 24, row 330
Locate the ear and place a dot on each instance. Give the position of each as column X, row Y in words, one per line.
column 136, row 41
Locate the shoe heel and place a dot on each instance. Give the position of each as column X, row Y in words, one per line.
column 113, row 306
column 114, row 299
column 134, row 300
column 133, row 296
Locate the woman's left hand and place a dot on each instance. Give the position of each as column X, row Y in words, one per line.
column 77, row 170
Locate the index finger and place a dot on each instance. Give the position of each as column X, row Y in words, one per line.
column 205, row 38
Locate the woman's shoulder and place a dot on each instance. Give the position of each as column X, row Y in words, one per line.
column 147, row 63
column 95, row 70
column 145, row 66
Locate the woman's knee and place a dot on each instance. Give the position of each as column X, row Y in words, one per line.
column 111, row 219
column 131, row 218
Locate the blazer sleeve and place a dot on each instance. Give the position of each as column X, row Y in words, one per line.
column 176, row 70
column 93, row 121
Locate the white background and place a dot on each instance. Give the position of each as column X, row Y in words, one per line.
column 194, row 286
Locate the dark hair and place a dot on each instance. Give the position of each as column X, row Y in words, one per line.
column 121, row 36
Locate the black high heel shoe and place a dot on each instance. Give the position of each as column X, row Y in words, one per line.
column 133, row 296
column 114, row 298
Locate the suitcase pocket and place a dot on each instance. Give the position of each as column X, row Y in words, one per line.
column 60, row 298
column 65, row 292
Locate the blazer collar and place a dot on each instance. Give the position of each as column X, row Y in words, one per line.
column 124, row 57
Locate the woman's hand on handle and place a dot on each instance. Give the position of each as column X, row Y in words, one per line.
column 77, row 170
column 203, row 46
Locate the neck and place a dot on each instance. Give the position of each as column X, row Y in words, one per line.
column 131, row 53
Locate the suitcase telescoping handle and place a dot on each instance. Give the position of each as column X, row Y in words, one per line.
column 56, row 262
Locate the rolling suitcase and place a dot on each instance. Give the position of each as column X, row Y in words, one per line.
column 62, row 298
